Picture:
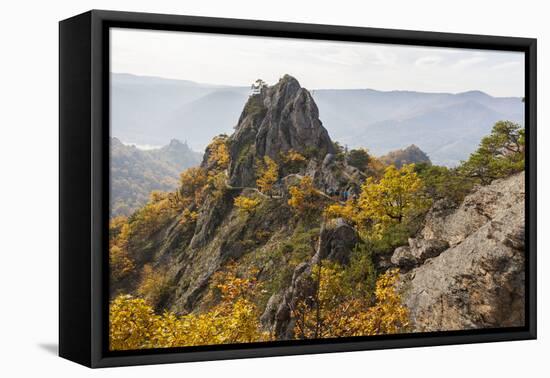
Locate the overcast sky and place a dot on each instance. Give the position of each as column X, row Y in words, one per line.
column 236, row 60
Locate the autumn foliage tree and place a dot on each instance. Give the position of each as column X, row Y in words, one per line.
column 398, row 196
column 155, row 285
column 305, row 199
column 192, row 185
column 293, row 161
column 162, row 206
column 334, row 309
column 268, row 174
column 246, row 205
column 133, row 323
column 218, row 153
column 394, row 199
column 120, row 262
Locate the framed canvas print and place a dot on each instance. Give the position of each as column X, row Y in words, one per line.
column 235, row 188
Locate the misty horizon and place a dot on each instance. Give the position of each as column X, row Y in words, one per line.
column 365, row 88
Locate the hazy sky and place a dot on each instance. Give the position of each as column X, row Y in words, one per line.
column 236, row 60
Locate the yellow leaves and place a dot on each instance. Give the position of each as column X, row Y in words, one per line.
column 315, row 315
column 147, row 220
column 192, row 185
column 246, row 205
column 347, row 211
column 293, row 160
column 398, row 195
column 134, row 325
column 232, row 285
column 268, row 174
column 217, row 183
column 304, row 197
column 120, row 263
column 334, row 311
column 388, row 315
column 218, row 152
column 188, row 217
column 293, row 156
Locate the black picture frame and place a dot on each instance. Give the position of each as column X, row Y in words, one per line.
column 84, row 190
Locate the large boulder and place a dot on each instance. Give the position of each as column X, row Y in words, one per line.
column 336, row 242
column 479, row 282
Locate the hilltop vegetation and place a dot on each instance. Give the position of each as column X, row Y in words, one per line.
column 136, row 173
column 281, row 233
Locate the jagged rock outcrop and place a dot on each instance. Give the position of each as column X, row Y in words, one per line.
column 280, row 118
column 479, row 282
column 336, row 242
column 418, row 251
column 444, row 222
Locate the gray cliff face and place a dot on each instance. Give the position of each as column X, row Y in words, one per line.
column 477, row 209
column 479, row 282
column 281, row 118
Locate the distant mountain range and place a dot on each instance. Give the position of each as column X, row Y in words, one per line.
column 135, row 173
column 448, row 127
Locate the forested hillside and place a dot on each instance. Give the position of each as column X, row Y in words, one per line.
column 136, row 173
column 281, row 233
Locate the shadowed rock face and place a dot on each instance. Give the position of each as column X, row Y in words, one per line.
column 281, row 118
column 479, row 282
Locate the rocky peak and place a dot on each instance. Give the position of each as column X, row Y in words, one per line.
column 408, row 155
column 175, row 143
column 280, row 118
